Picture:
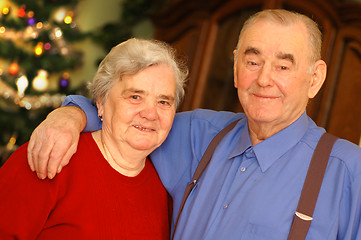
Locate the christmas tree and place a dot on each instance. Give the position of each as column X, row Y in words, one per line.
column 35, row 50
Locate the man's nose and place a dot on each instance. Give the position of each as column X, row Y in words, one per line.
column 264, row 77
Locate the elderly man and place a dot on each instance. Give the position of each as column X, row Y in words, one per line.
column 251, row 187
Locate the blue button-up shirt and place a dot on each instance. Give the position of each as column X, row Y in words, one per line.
column 251, row 192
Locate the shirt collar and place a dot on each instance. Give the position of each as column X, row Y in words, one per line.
column 271, row 149
column 243, row 142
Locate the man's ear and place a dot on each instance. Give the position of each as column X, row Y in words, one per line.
column 318, row 77
column 235, row 76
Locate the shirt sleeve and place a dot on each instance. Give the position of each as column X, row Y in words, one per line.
column 93, row 122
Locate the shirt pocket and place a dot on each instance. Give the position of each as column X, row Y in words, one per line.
column 261, row 232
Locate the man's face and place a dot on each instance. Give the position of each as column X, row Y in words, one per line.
column 140, row 108
column 272, row 74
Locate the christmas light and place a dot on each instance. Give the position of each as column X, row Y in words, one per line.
column 68, row 18
column 13, row 68
column 2, row 30
column 58, row 32
column 11, row 143
column 64, row 82
column 39, row 25
column 30, row 14
column 38, row 50
column 5, row 11
column 47, row 46
column 22, row 84
column 40, row 82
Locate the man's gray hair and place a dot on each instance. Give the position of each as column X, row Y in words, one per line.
column 285, row 17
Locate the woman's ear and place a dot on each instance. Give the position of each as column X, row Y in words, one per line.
column 100, row 108
column 318, row 78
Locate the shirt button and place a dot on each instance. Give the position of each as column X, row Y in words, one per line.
column 243, row 169
column 225, row 205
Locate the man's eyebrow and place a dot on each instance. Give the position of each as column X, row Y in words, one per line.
column 251, row 50
column 286, row 56
column 166, row 97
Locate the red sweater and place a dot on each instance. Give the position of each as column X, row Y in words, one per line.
column 88, row 200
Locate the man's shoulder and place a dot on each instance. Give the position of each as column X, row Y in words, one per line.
column 346, row 149
column 210, row 118
column 349, row 154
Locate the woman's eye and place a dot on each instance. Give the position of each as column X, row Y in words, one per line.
column 164, row 102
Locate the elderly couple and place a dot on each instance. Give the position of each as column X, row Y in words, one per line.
column 111, row 189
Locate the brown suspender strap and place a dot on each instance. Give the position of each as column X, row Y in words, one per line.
column 311, row 188
column 202, row 166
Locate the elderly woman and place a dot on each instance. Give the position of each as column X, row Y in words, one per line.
column 110, row 190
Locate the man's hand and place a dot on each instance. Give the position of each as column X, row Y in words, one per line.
column 55, row 140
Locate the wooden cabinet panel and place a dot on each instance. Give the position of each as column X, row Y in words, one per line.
column 220, row 92
column 345, row 111
column 207, row 31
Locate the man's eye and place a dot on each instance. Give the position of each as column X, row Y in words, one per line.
column 136, row 97
column 252, row 63
column 283, row 68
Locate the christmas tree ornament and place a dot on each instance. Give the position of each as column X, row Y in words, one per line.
column 60, row 14
column 64, row 82
column 31, row 21
column 13, row 68
column 22, row 83
column 40, row 82
column 21, row 12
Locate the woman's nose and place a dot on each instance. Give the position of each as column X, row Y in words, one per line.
column 149, row 111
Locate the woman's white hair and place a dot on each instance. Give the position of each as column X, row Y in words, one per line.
column 129, row 58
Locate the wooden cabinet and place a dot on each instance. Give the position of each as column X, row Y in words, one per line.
column 206, row 31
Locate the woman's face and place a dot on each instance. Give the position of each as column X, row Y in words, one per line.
column 140, row 108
